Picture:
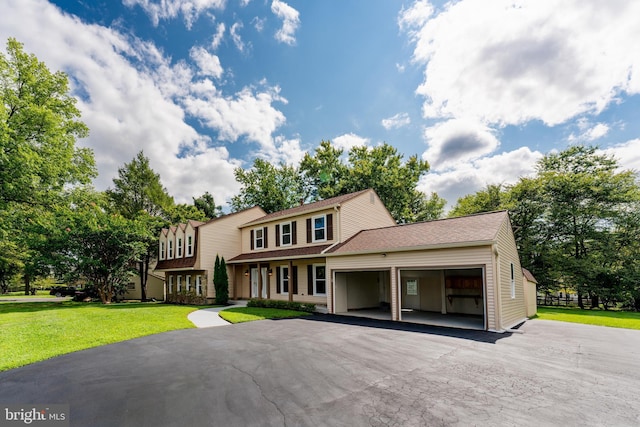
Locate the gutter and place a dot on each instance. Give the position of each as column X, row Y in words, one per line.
column 414, row 248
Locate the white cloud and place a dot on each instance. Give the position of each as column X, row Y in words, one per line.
column 235, row 36
column 208, row 63
column 589, row 132
column 397, row 121
column 218, row 36
column 472, row 176
column 258, row 23
column 290, row 21
column 169, row 9
column 458, row 141
column 627, row 154
column 510, row 62
column 133, row 98
column 348, row 141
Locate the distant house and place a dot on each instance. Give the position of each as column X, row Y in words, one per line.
column 347, row 254
column 155, row 285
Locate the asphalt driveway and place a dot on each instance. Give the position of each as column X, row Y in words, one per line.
column 333, row 371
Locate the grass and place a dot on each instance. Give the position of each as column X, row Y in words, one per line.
column 249, row 314
column 614, row 319
column 31, row 332
column 20, row 294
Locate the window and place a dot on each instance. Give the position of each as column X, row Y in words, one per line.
column 199, row 284
column 189, row 245
column 178, row 283
column 284, row 280
column 179, row 248
column 258, row 238
column 161, row 250
column 286, row 233
column 170, row 256
column 513, row 282
column 170, row 284
column 187, row 281
column 131, row 286
column 319, row 228
column 319, row 279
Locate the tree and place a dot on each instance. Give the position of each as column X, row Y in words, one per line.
column 182, row 213
column 380, row 168
column 89, row 243
column 486, row 200
column 139, row 195
column 39, row 125
column 222, row 286
column 273, row 188
column 207, row 205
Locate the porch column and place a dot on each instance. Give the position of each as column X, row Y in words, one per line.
column 395, row 310
column 233, row 282
column 259, row 281
column 290, row 281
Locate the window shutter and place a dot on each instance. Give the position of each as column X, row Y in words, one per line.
column 294, row 233
column 329, row 226
column 277, row 280
column 309, row 279
column 295, row 279
column 277, row 235
column 264, row 235
column 308, row 230
column 251, row 239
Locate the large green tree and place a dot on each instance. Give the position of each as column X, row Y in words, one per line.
column 139, row 195
column 207, row 205
column 39, row 126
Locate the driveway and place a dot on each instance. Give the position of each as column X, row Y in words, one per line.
column 328, row 370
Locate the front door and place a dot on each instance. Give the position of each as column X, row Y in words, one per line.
column 254, row 282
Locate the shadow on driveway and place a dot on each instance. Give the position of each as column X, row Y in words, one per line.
column 467, row 334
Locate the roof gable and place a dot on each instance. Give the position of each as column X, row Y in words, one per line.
column 472, row 229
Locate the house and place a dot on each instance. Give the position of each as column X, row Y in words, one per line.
column 346, row 254
column 187, row 252
column 155, row 285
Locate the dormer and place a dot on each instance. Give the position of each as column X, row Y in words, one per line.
column 180, row 240
column 171, row 242
column 162, row 245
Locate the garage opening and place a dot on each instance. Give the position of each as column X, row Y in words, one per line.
column 363, row 293
column 447, row 297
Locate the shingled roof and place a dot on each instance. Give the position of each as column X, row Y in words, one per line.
column 298, row 252
column 453, row 231
column 311, row 207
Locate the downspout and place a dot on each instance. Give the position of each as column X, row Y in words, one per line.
column 498, row 290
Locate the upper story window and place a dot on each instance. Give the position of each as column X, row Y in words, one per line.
column 319, row 228
column 189, row 245
column 170, row 254
column 285, row 233
column 161, row 250
column 179, row 248
column 259, row 238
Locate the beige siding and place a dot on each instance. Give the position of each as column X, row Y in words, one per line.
column 221, row 237
column 363, row 212
column 530, row 297
column 512, row 310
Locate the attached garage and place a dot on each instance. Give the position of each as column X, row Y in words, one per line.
column 460, row 272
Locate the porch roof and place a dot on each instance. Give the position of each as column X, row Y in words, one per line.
column 171, row 264
column 296, row 253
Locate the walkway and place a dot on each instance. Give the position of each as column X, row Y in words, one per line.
column 208, row 317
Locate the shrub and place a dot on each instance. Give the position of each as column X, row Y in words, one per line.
column 281, row 304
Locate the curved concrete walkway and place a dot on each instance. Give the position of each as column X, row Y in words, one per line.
column 208, row 317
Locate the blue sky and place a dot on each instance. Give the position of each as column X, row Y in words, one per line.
column 481, row 89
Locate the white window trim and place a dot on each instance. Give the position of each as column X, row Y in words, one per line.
column 513, row 282
column 178, row 283
column 187, row 282
column 313, row 228
column 282, row 279
column 315, row 280
column 170, row 284
column 162, row 247
column 255, row 238
column 199, row 284
column 189, row 245
column 282, row 233
column 170, row 250
column 179, row 248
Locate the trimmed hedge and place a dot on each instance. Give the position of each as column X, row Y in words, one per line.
column 283, row 305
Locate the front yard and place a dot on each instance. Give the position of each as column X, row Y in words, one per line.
column 31, row 332
column 614, row 319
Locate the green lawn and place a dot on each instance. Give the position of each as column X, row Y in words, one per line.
column 614, row 319
column 20, row 294
column 249, row 314
column 30, row 332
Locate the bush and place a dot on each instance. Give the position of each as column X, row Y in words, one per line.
column 282, row 305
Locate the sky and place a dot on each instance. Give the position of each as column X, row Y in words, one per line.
column 480, row 89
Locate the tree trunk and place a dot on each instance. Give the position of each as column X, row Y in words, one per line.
column 595, row 301
column 27, row 284
column 580, row 302
column 143, row 268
